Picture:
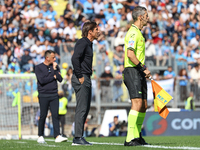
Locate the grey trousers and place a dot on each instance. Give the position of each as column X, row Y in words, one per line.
column 83, row 100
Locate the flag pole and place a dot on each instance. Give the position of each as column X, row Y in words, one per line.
column 150, row 78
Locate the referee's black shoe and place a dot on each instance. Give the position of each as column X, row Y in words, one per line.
column 133, row 142
column 80, row 141
column 142, row 141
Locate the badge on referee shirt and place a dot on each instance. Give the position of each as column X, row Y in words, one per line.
column 131, row 43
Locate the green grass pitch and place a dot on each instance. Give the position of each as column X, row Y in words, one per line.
column 106, row 143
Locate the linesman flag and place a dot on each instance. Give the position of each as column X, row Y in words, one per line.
column 161, row 98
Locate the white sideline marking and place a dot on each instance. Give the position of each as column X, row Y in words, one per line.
column 106, row 143
column 47, row 145
column 150, row 146
column 21, row 142
column 170, row 147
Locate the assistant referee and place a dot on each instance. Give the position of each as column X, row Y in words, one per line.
column 135, row 74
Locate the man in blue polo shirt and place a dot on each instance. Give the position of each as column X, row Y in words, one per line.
column 169, row 73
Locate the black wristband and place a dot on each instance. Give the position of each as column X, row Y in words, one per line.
column 141, row 67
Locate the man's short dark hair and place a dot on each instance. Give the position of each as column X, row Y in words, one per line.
column 47, row 53
column 89, row 25
column 153, row 7
column 196, row 65
column 115, row 116
column 138, row 11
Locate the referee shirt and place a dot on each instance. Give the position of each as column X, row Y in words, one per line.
column 135, row 41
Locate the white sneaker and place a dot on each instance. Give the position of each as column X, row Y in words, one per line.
column 60, row 139
column 41, row 140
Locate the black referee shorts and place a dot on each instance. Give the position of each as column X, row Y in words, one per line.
column 135, row 82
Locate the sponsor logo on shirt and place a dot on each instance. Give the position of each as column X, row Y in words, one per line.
column 131, row 43
column 132, row 35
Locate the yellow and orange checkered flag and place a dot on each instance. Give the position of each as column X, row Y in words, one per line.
column 161, row 98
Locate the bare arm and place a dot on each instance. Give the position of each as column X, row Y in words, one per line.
column 133, row 58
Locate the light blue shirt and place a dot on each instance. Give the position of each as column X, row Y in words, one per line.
column 45, row 14
column 196, row 25
column 52, row 15
column 17, row 68
column 108, row 15
column 180, row 63
column 183, row 82
column 118, row 16
column 87, row 5
column 40, row 22
column 1, row 14
column 190, row 59
column 116, row 6
column 167, row 73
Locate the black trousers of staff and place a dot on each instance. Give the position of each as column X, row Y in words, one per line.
column 45, row 102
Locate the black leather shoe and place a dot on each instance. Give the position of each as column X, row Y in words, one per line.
column 134, row 142
column 142, row 141
column 80, row 141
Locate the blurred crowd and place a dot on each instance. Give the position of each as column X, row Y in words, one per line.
column 29, row 27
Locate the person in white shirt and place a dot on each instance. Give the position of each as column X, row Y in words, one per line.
column 196, row 55
column 50, row 24
column 195, row 79
column 33, row 13
column 43, row 49
column 57, row 29
column 194, row 5
column 25, row 13
column 36, row 52
column 98, row 5
column 166, row 15
column 143, row 3
column 194, row 42
column 119, row 40
column 184, row 15
column 150, row 50
column 129, row 15
column 113, row 21
column 30, row 40
column 195, row 72
column 71, row 30
column 18, row 52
